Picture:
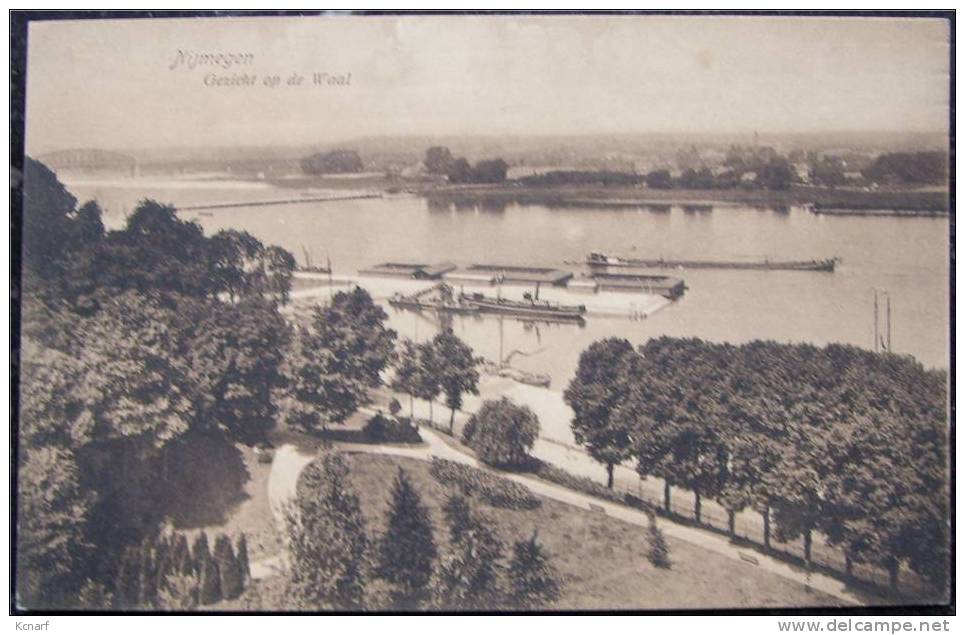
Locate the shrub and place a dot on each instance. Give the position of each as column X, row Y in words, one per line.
column 659, row 554
column 381, row 429
column 394, row 407
column 494, row 490
column 502, row 433
column 553, row 474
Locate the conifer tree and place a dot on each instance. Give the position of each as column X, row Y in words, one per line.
column 407, row 552
column 224, row 555
column 210, row 586
column 127, row 588
column 469, row 576
column 181, row 560
column 328, row 539
column 162, row 560
column 659, row 553
column 241, row 553
column 533, row 581
column 147, row 578
column 201, row 553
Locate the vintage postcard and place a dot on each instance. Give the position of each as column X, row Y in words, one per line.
column 484, row 313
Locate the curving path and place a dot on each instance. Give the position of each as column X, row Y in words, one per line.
column 289, row 461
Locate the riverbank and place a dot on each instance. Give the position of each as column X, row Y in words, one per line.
column 904, row 202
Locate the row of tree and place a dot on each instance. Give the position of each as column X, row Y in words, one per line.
column 439, row 160
column 336, row 565
column 164, row 573
column 837, row 439
column 443, row 365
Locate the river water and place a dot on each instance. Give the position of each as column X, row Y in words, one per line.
column 907, row 257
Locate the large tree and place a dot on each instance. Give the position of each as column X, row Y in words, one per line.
column 235, row 363
column 337, row 359
column 407, row 550
column 455, row 370
column 600, row 386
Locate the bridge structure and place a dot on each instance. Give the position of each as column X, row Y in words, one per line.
column 89, row 159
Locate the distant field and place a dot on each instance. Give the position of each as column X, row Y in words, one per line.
column 602, row 560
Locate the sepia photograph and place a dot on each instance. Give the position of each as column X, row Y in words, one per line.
column 482, row 313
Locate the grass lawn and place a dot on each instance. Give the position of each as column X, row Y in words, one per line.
column 222, row 488
column 603, row 560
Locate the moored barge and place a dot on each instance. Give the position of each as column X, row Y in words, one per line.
column 596, row 259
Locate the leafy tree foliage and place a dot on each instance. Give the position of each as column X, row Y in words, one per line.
column 837, row 439
column 338, row 358
column 438, row 159
column 533, row 581
column 130, row 342
column 51, row 511
column 235, row 363
column 455, row 370
column 502, row 433
column 338, row 161
column 599, row 387
column 327, row 539
column 241, row 266
column 909, row 168
column 407, row 551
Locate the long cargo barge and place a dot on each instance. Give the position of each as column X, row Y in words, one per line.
column 597, row 259
column 532, row 309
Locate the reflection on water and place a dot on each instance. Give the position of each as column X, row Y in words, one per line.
column 905, row 256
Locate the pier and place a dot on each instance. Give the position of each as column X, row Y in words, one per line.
column 281, row 201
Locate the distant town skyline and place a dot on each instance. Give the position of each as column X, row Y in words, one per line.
column 209, row 82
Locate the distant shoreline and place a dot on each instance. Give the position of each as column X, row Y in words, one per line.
column 829, row 201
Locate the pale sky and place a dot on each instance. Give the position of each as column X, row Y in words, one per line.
column 108, row 84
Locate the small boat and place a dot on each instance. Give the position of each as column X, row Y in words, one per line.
column 526, row 309
column 541, row 380
column 603, row 260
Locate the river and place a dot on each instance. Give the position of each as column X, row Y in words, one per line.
column 907, row 257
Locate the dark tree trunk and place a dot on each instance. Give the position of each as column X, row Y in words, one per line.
column 807, row 548
column 731, row 522
column 848, row 566
column 452, row 421
column 767, row 527
column 412, row 408
column 609, row 475
column 697, row 507
column 666, row 496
